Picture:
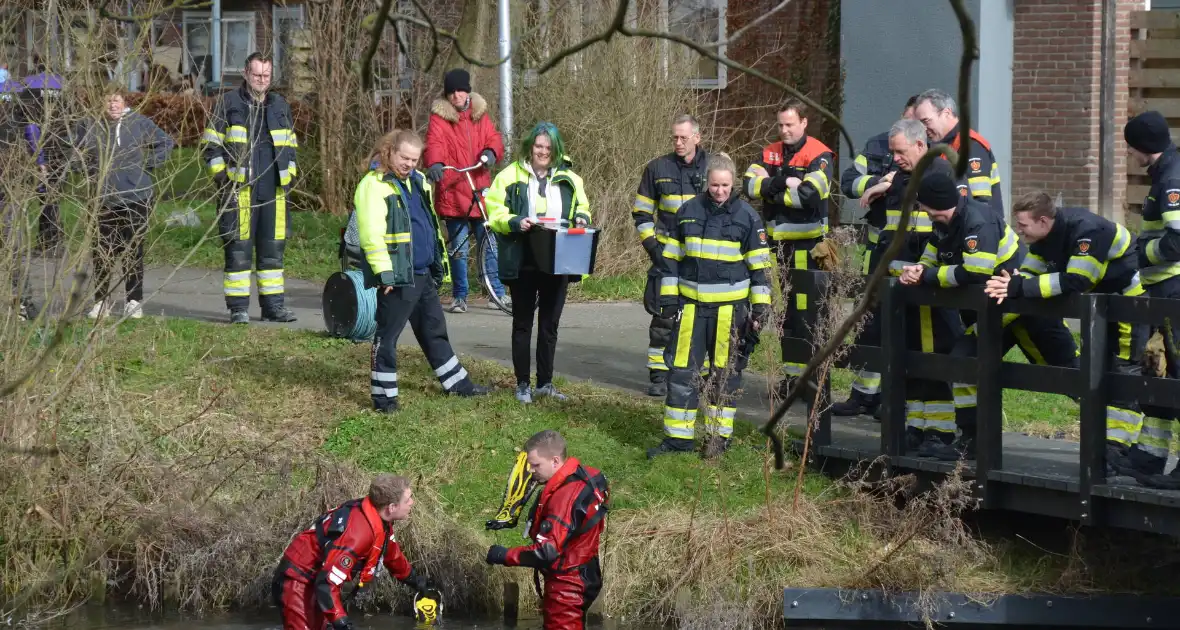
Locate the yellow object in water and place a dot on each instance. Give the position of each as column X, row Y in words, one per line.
column 428, row 606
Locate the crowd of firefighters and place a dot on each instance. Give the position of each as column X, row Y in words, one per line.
column 708, row 291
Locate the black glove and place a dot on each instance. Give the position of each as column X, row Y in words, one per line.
column 343, row 623
column 417, row 581
column 490, row 155
column 774, row 186
column 653, row 249
column 435, row 172
column 761, row 313
column 497, row 554
column 669, row 311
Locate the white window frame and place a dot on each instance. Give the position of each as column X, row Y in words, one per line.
column 722, row 79
column 277, row 13
column 251, row 17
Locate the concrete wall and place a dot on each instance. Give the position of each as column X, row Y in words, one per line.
column 892, row 50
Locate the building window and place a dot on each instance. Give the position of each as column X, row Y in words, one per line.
column 286, row 21
column 237, row 42
column 702, row 21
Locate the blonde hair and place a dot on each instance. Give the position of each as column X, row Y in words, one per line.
column 389, row 143
column 721, row 162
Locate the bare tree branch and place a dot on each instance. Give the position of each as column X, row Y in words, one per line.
column 374, row 42
column 451, row 37
column 705, row 52
column 616, row 26
column 433, row 35
column 742, row 31
column 105, row 13
column 970, row 54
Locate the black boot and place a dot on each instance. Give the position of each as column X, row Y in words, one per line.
column 937, row 445
column 715, row 446
column 858, row 403
column 1144, row 463
column 274, row 311
column 659, row 383
column 670, row 445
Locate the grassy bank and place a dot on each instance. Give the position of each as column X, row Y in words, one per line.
column 189, row 453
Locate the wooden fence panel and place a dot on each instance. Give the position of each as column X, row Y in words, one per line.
column 1154, row 83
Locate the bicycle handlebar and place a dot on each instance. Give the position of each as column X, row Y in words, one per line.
column 448, row 167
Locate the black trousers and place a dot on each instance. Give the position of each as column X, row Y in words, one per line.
column 418, row 305
column 659, row 332
column 254, row 229
column 122, row 229
column 544, row 294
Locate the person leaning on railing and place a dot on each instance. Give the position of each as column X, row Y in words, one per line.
column 1149, row 144
column 540, row 185
column 1072, row 250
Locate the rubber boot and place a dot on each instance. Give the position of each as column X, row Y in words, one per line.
column 858, row 403
column 659, row 383
column 670, row 446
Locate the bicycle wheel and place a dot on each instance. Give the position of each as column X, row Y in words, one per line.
column 487, row 242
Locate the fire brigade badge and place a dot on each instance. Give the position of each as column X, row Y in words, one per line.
column 962, row 191
column 762, row 236
column 975, row 164
column 1084, row 246
column 823, row 163
column 971, row 243
column 1173, row 197
column 346, row 562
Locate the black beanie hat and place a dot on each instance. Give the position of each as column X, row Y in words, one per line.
column 456, row 80
column 1148, row 132
column 938, row 191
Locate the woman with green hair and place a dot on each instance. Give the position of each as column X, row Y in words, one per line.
column 537, row 186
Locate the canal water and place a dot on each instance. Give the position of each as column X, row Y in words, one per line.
column 103, row 618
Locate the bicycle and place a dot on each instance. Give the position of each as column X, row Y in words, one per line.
column 484, row 244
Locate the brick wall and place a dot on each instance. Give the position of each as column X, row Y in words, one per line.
column 793, row 46
column 1055, row 98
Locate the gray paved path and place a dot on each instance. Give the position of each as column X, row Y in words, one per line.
column 603, row 343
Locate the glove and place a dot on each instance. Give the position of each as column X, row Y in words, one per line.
column 826, row 255
column 653, row 249
column 428, row 605
column 669, row 311
column 435, row 173
column 417, row 581
column 487, row 156
column 774, row 186
column 497, row 554
column 761, row 313
column 343, row 623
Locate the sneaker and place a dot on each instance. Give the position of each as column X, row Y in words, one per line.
column 670, row 445
column 524, row 393
column 239, row 316
column 658, row 389
column 279, row 314
column 100, row 309
column 458, row 305
column 549, row 390
column 471, row 392
column 28, row 310
column 715, row 447
column 504, row 299
column 133, row 309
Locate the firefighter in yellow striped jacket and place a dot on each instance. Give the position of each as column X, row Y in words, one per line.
column 792, row 179
column 668, row 181
column 249, row 149
column 714, row 284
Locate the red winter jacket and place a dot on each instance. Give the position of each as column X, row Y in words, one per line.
column 566, row 522
column 346, row 544
column 456, row 138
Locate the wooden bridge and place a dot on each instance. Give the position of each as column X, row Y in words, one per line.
column 1012, row 472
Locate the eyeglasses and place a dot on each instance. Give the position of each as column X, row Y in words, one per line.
column 682, row 138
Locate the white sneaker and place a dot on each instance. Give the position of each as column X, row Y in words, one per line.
column 100, row 309
column 133, row 309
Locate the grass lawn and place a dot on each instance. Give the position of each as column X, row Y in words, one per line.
column 201, row 421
